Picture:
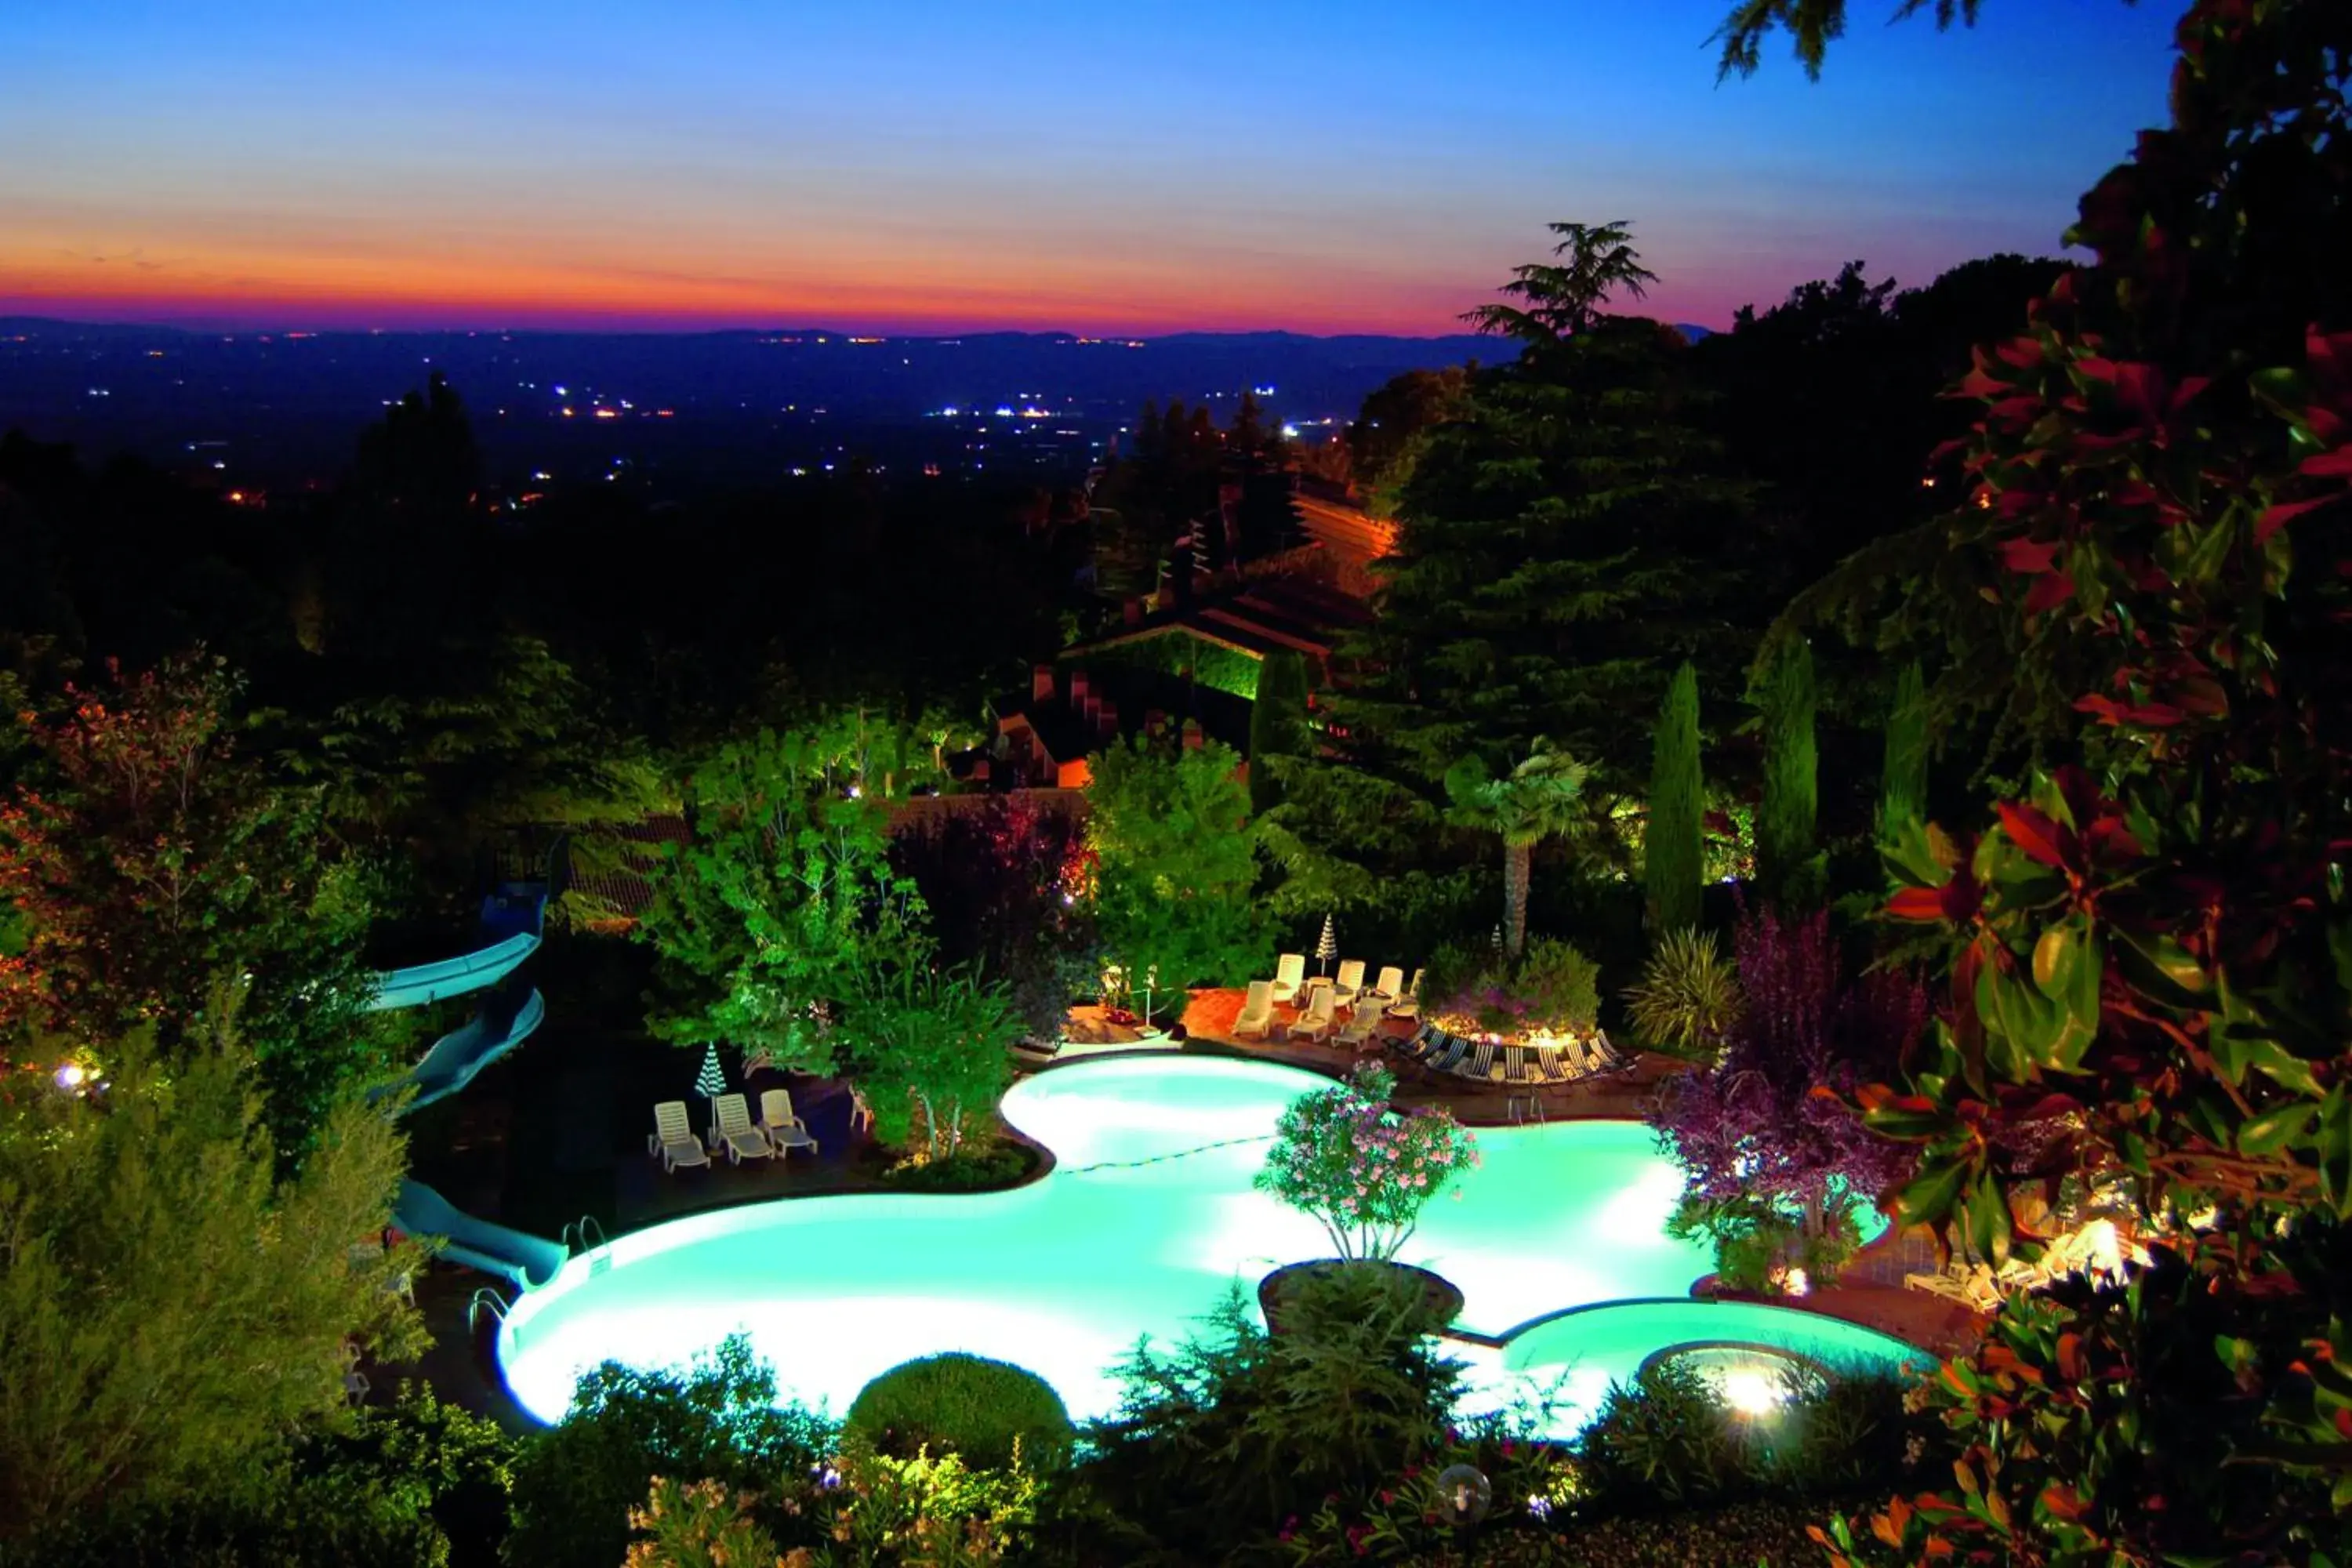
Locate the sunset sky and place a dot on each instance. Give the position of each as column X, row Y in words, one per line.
column 904, row 166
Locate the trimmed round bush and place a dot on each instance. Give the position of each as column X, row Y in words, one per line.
column 965, row 1404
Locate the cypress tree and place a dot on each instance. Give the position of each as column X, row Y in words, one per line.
column 1784, row 823
column 1673, row 846
column 1903, row 783
column 1277, row 723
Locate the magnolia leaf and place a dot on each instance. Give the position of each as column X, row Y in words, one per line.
column 2274, row 1129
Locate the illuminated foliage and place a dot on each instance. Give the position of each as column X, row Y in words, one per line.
column 1365, row 1170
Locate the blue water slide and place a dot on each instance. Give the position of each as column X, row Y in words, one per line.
column 529, row 1261
column 512, row 920
column 506, row 1019
column 511, row 923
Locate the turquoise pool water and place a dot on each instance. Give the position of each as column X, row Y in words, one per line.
column 1145, row 1220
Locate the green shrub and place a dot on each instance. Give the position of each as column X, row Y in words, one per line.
column 1688, row 997
column 963, row 1405
column 1223, row 1438
column 1737, row 1536
column 995, row 1166
column 1553, row 988
column 715, row 1419
column 1662, row 1439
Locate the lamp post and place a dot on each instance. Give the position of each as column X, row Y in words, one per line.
column 1466, row 1494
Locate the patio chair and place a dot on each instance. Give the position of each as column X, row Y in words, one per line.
column 1515, row 1064
column 1602, row 1055
column 1290, row 975
column 1257, row 1010
column 1421, row 1044
column 1482, row 1062
column 1390, row 987
column 1549, row 1067
column 1349, row 984
column 1316, row 1021
column 1448, row 1055
column 1409, row 1004
column 736, row 1134
column 673, row 1137
column 1363, row 1023
column 786, row 1131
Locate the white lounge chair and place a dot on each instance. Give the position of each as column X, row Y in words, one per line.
column 1362, row 1025
column 1316, row 1021
column 1390, row 987
column 1351, row 983
column 673, row 1137
column 1409, row 1004
column 1257, row 1015
column 736, row 1134
column 1290, row 975
column 786, row 1131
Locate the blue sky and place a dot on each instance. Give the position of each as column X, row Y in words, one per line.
column 1322, row 166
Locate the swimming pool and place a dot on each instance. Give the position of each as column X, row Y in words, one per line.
column 1145, row 1220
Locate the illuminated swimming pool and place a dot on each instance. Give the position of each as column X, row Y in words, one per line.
column 1145, row 1220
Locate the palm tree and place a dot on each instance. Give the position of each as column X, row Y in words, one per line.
column 1542, row 797
column 1563, row 299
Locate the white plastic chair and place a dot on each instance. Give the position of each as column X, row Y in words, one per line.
column 1257, row 1016
column 1290, row 975
column 673, row 1137
column 1349, row 983
column 786, row 1131
column 1316, row 1021
column 736, row 1134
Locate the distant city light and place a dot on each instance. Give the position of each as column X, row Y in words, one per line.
column 1003, row 411
column 1290, row 432
column 561, row 393
column 1266, row 391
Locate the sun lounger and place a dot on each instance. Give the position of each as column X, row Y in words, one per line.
column 1549, row 1067
column 1290, row 976
column 1409, row 1004
column 1388, row 988
column 1362, row 1025
column 1316, row 1021
column 786, row 1131
column 1257, row 1010
column 673, row 1137
column 1515, row 1064
column 736, row 1134
column 1481, row 1065
column 1448, row 1055
column 1351, row 983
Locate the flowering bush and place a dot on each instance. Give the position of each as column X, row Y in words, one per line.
column 1550, row 989
column 1363, row 1168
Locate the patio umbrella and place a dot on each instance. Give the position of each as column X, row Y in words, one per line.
column 1326, row 946
column 711, row 1081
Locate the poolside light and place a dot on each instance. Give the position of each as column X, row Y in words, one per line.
column 70, row 1077
column 1466, row 1494
column 1753, row 1392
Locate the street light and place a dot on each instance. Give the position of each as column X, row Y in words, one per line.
column 1466, row 1494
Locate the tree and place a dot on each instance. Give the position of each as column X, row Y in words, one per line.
column 1175, row 866
column 1786, row 864
column 1542, row 797
column 1364, row 1170
column 1385, row 438
column 765, row 920
column 2148, row 995
column 1278, row 726
column 930, row 1046
column 1811, row 25
column 715, row 1419
column 172, row 1311
column 1674, row 837
column 1761, row 1150
column 1903, row 783
column 164, row 881
column 1560, row 300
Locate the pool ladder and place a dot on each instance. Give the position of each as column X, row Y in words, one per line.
column 587, row 1235
column 486, row 1300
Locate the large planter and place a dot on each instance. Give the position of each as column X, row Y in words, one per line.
column 1444, row 1297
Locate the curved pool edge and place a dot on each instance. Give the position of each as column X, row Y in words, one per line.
column 721, row 1219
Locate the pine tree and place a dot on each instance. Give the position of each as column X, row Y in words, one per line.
column 1673, row 846
column 1560, row 547
column 1903, row 786
column 1786, row 865
column 1278, row 725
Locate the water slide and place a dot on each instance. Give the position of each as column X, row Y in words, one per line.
column 510, row 924
column 528, row 1260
